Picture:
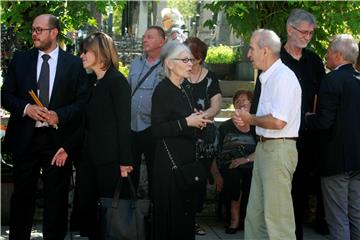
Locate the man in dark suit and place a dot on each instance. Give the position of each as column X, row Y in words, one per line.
column 339, row 112
column 31, row 136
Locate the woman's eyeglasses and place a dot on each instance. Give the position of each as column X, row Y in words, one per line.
column 185, row 60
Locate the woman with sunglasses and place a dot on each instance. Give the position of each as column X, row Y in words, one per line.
column 174, row 123
column 106, row 149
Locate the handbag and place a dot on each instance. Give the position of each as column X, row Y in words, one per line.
column 207, row 143
column 189, row 176
column 123, row 219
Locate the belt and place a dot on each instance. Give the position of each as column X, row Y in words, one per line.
column 264, row 139
column 41, row 129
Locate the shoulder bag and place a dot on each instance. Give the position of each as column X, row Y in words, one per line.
column 123, row 219
column 144, row 77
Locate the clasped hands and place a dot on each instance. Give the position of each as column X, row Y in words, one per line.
column 198, row 119
column 42, row 114
column 241, row 117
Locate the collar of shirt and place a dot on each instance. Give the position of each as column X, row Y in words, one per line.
column 264, row 76
column 53, row 54
column 286, row 57
column 340, row 66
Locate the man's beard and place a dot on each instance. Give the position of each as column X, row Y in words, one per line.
column 44, row 46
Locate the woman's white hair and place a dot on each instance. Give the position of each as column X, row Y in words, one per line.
column 171, row 50
column 174, row 15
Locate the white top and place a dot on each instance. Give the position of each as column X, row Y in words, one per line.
column 281, row 97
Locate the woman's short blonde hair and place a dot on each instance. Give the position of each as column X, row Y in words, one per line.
column 104, row 49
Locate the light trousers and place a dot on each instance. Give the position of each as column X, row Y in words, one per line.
column 270, row 212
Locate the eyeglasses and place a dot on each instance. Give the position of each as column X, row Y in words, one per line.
column 185, row 60
column 242, row 103
column 307, row 33
column 39, row 30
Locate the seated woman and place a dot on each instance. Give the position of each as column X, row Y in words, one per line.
column 235, row 161
column 173, row 123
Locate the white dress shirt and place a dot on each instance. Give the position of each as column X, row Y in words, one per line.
column 52, row 64
column 281, row 97
column 52, row 68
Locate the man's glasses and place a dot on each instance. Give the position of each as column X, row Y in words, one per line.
column 39, row 30
column 185, row 60
column 307, row 33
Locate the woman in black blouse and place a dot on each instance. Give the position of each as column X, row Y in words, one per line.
column 173, row 122
column 106, row 132
column 206, row 93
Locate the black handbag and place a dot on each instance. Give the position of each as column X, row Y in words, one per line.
column 190, row 176
column 207, row 143
column 123, row 219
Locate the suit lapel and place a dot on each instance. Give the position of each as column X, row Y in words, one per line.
column 33, row 69
column 58, row 75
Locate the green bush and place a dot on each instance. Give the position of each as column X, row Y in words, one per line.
column 124, row 69
column 221, row 54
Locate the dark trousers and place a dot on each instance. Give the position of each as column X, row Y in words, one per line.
column 236, row 181
column 143, row 143
column 56, row 184
column 305, row 179
column 93, row 182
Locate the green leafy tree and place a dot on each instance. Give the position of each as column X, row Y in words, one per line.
column 17, row 17
column 333, row 17
column 186, row 7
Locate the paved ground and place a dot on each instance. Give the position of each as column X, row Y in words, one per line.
column 214, row 228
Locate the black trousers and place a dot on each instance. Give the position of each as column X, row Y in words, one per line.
column 56, row 184
column 305, row 178
column 92, row 183
column 143, row 143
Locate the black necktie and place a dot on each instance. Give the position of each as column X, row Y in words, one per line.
column 43, row 82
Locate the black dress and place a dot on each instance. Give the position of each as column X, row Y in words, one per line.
column 202, row 92
column 173, row 209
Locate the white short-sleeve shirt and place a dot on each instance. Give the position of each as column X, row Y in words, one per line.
column 281, row 97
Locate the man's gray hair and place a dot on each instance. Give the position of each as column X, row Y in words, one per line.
column 346, row 45
column 297, row 16
column 170, row 50
column 268, row 38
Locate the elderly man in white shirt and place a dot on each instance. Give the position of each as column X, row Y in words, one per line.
column 270, row 211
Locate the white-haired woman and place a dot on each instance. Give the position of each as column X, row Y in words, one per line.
column 173, row 24
column 173, row 122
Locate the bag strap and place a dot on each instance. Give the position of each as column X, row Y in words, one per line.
column 174, row 166
column 119, row 184
column 144, row 77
